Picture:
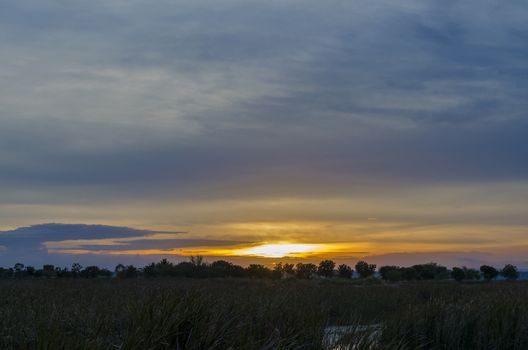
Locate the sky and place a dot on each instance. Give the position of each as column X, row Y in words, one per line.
column 255, row 130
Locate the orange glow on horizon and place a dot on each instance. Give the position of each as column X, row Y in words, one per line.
column 272, row 249
column 267, row 250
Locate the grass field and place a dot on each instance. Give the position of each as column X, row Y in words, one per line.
column 259, row 314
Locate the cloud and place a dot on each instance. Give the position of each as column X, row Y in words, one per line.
column 161, row 115
column 172, row 101
column 46, row 243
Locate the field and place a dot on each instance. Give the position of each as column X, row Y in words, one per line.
column 260, row 314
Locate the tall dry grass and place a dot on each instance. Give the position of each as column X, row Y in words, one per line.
column 259, row 314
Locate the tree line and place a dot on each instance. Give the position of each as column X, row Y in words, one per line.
column 196, row 267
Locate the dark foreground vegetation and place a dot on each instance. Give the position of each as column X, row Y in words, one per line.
column 229, row 313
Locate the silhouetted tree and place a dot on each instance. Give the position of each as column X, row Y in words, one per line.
column 30, row 271
column 326, row 268
column 510, row 272
column 384, row 271
column 4, row 273
column 48, row 271
column 164, row 268
column 458, row 274
column 185, row 269
column 91, row 272
column 471, row 274
column 131, row 271
column 392, row 273
column 120, row 270
column 221, row 268
column 305, row 271
column 150, row 270
column 197, row 260
column 281, row 270
column 288, row 268
column 364, row 269
column 18, row 270
column 258, row 271
column 344, row 271
column 431, row 271
column 76, row 269
column 277, row 271
column 409, row 273
column 489, row 272
column 196, row 268
column 62, row 272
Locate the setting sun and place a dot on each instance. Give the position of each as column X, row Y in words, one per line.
column 280, row 250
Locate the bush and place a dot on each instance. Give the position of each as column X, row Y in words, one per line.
column 488, row 272
column 458, row 274
column 326, row 268
column 344, row 271
column 510, row 272
column 364, row 269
